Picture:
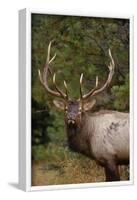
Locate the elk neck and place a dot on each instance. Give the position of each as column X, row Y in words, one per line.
column 78, row 135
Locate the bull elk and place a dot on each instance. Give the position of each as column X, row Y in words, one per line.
column 102, row 136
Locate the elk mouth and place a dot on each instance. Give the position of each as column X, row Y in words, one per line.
column 71, row 126
column 71, row 122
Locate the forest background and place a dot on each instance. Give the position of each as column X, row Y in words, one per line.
column 81, row 45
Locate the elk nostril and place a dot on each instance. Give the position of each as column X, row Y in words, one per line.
column 71, row 121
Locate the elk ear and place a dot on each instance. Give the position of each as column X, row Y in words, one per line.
column 59, row 104
column 89, row 105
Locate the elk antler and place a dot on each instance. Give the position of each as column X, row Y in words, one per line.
column 44, row 81
column 96, row 91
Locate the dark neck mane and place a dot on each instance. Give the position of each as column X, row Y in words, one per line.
column 78, row 136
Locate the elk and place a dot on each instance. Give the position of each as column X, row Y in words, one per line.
column 102, row 136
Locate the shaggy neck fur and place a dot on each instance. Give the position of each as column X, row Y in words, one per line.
column 78, row 137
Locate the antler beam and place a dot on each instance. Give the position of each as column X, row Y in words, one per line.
column 43, row 77
column 96, row 91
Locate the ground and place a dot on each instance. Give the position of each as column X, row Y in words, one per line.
column 65, row 167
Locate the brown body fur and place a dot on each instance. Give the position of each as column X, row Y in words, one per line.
column 100, row 142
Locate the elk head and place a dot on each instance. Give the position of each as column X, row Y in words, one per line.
column 73, row 109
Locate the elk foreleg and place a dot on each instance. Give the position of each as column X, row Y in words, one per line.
column 111, row 171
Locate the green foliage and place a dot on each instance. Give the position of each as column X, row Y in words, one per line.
column 81, row 45
column 41, row 120
column 53, row 151
column 38, row 152
column 121, row 94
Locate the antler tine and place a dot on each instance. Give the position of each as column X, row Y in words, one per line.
column 40, row 77
column 96, row 81
column 66, row 87
column 111, row 67
column 52, row 58
column 91, row 92
column 43, row 79
column 96, row 91
column 81, row 79
column 48, row 61
column 111, row 58
column 48, row 55
column 57, row 88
